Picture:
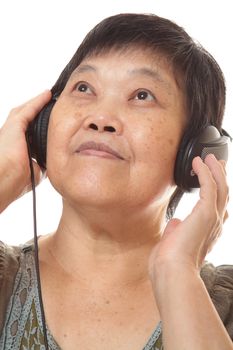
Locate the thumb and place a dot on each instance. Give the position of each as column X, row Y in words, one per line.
column 169, row 229
column 172, row 224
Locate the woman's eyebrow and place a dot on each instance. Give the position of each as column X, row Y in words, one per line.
column 83, row 68
column 155, row 75
column 144, row 71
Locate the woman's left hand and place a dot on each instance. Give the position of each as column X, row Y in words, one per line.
column 186, row 243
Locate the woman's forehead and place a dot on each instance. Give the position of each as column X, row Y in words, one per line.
column 134, row 62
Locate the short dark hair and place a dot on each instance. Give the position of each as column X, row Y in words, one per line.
column 195, row 69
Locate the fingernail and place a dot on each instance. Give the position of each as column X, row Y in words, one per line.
column 211, row 156
column 223, row 162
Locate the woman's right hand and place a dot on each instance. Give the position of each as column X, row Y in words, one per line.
column 15, row 176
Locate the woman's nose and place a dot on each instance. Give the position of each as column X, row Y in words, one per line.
column 103, row 123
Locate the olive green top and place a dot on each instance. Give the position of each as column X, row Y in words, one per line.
column 20, row 313
column 23, row 328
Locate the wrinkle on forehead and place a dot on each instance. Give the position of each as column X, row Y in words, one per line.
column 145, row 71
column 160, row 58
column 153, row 74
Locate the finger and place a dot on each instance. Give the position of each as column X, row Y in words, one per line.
column 208, row 187
column 226, row 216
column 219, row 175
column 224, row 164
column 27, row 111
column 171, row 225
column 32, row 101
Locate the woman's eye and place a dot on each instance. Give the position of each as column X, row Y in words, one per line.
column 82, row 87
column 144, row 95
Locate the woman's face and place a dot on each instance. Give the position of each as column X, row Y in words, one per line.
column 114, row 131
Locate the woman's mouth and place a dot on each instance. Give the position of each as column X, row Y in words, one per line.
column 102, row 150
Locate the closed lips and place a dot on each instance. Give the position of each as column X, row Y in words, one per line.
column 101, row 147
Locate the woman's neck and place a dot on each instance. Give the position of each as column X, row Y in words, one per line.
column 105, row 249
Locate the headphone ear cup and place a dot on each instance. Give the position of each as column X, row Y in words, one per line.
column 210, row 140
column 37, row 134
column 183, row 166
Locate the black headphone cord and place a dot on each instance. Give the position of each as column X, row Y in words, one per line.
column 36, row 250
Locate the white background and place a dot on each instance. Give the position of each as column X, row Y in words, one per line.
column 38, row 38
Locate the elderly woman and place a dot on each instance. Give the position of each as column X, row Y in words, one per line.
column 119, row 272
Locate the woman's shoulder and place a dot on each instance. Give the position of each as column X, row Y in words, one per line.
column 219, row 283
column 9, row 260
column 9, row 264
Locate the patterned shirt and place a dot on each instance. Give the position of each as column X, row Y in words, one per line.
column 23, row 328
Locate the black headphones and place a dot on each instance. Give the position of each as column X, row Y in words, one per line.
column 37, row 133
column 210, row 140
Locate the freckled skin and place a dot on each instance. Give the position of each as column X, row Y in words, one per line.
column 147, row 134
column 170, row 141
